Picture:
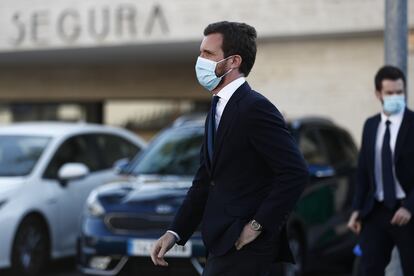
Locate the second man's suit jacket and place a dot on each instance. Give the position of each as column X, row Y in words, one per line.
column 403, row 162
column 257, row 172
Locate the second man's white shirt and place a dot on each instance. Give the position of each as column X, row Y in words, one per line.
column 396, row 121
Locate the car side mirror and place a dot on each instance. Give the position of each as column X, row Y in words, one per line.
column 121, row 165
column 321, row 171
column 71, row 171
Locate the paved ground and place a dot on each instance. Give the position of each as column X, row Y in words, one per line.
column 67, row 267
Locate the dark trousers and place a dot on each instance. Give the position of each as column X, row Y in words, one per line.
column 379, row 236
column 245, row 262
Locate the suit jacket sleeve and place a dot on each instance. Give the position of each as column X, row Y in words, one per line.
column 409, row 202
column 271, row 139
column 362, row 181
column 191, row 211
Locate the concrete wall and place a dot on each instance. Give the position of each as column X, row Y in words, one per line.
column 330, row 77
column 323, row 77
column 315, row 58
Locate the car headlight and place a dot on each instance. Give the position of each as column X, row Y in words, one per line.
column 93, row 206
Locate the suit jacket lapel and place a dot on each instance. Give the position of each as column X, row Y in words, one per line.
column 205, row 149
column 402, row 133
column 372, row 141
column 229, row 113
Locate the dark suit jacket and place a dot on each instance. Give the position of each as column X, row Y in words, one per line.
column 257, row 173
column 403, row 159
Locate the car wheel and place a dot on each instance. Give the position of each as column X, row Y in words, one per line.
column 30, row 252
column 297, row 247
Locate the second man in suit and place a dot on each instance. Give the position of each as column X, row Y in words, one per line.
column 384, row 199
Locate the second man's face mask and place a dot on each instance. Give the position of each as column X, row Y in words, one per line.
column 206, row 73
column 394, row 104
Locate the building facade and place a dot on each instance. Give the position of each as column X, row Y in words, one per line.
column 126, row 61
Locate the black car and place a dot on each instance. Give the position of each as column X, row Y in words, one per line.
column 122, row 220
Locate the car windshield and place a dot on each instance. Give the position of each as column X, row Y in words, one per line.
column 174, row 152
column 19, row 154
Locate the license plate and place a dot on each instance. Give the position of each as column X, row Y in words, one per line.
column 143, row 247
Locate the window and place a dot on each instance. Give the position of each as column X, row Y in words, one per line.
column 19, row 154
column 73, row 150
column 349, row 147
column 175, row 152
column 113, row 148
column 340, row 152
column 311, row 148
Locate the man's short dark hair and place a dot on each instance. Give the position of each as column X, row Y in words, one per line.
column 388, row 72
column 238, row 39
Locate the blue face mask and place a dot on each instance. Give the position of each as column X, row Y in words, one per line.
column 206, row 73
column 394, row 104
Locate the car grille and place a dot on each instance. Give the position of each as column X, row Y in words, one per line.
column 131, row 223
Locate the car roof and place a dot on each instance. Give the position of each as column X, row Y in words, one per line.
column 314, row 121
column 192, row 119
column 198, row 119
column 53, row 129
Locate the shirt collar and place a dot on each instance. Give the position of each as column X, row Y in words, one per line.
column 395, row 119
column 227, row 91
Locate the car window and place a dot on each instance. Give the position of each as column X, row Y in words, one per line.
column 113, row 148
column 19, row 154
column 349, row 147
column 174, row 152
column 339, row 152
column 74, row 150
column 312, row 149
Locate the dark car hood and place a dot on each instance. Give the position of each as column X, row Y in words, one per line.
column 144, row 194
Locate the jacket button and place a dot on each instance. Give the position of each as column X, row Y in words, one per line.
column 212, row 183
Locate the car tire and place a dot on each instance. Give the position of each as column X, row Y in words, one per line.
column 297, row 247
column 30, row 252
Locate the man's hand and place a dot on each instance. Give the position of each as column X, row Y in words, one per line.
column 161, row 247
column 401, row 217
column 354, row 224
column 247, row 236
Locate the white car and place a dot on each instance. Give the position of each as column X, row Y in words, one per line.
column 47, row 171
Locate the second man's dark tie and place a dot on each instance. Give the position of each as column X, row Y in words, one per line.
column 388, row 180
column 211, row 132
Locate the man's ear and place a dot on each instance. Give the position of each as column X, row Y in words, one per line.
column 237, row 60
column 379, row 95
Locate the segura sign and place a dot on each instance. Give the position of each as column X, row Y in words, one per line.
column 75, row 25
column 96, row 24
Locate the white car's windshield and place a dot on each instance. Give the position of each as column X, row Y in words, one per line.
column 19, row 154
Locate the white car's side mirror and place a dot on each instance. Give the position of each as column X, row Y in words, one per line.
column 71, row 171
column 120, row 165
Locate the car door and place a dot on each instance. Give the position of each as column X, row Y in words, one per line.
column 342, row 159
column 69, row 197
column 315, row 208
column 112, row 148
column 108, row 149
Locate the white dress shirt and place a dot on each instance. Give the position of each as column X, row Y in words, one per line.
column 396, row 120
column 225, row 94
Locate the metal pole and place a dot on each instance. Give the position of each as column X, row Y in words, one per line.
column 396, row 34
column 396, row 53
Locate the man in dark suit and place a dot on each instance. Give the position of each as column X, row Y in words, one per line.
column 251, row 172
column 384, row 199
